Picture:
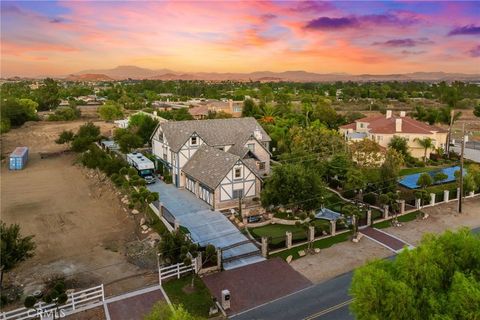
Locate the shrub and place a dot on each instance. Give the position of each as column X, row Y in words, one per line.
column 349, row 194
column 370, row 198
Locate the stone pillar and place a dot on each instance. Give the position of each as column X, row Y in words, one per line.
column 197, row 262
column 446, row 195
column 369, row 217
column 333, row 227
column 458, row 193
column 402, row 206
column 418, row 203
column 471, row 193
column 288, row 239
column 219, row 259
column 432, row 199
column 311, row 233
column 264, row 247
column 385, row 211
column 176, row 225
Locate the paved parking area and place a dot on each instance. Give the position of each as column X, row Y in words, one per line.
column 133, row 306
column 205, row 225
column 387, row 240
column 256, row 284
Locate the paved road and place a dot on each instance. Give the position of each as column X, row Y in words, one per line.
column 328, row 300
column 471, row 154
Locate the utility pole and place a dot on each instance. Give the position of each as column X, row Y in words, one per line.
column 460, row 196
column 449, row 139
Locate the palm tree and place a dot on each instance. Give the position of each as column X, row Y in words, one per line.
column 426, row 144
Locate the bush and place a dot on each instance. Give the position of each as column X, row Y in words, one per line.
column 370, row 198
column 65, row 114
column 349, row 194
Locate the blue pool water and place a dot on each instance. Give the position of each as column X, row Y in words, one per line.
column 410, row 181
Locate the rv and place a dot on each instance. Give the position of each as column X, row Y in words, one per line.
column 143, row 165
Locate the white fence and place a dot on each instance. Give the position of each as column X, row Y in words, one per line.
column 175, row 270
column 77, row 301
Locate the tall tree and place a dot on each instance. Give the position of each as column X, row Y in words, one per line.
column 426, row 143
column 47, row 96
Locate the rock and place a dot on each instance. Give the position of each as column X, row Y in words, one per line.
column 135, row 211
column 144, row 227
column 425, row 216
column 289, row 259
column 154, row 237
column 142, row 221
column 301, row 253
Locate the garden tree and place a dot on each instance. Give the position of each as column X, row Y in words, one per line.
column 437, row 280
column 267, row 113
column 66, row 136
column 65, row 114
column 142, row 125
column 14, row 247
column 110, row 111
column 476, row 110
column 424, row 180
column 47, row 95
column 439, row 177
column 316, row 140
column 390, row 199
column 352, row 210
column 175, row 247
column 401, row 145
column 305, row 226
column 86, row 135
column 293, row 185
column 143, row 196
column 15, row 112
column 426, row 143
column 338, row 166
column 162, row 311
column 470, row 180
column 96, row 158
column 326, row 114
column 127, row 140
column 55, row 294
column 390, row 169
column 250, row 109
column 177, row 115
column 367, row 153
column 355, row 180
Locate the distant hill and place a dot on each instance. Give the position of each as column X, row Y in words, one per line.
column 88, row 77
column 133, row 72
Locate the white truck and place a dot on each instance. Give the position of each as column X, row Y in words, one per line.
column 143, row 165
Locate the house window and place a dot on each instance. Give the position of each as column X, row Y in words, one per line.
column 237, row 194
column 238, row 173
column 194, row 141
column 361, row 125
column 261, row 165
column 251, row 147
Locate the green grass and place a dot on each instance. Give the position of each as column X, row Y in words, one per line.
column 408, row 171
column 277, row 232
column 322, row 244
column 405, row 218
column 198, row 302
column 440, row 187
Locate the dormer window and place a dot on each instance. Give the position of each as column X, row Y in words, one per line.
column 251, row 147
column 238, row 173
column 194, row 141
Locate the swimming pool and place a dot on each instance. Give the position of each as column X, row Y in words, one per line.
column 410, row 181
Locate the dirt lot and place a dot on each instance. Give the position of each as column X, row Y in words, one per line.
column 346, row 256
column 79, row 225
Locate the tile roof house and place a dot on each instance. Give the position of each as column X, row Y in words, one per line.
column 219, row 160
column 382, row 129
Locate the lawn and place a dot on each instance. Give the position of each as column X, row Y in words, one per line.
column 405, row 218
column 322, row 244
column 408, row 171
column 197, row 301
column 277, row 231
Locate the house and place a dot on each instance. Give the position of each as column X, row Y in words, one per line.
column 221, row 161
column 200, row 109
column 383, row 128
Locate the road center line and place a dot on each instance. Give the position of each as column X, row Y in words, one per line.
column 328, row 310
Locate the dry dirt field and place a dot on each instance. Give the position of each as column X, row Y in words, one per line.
column 79, row 225
column 347, row 256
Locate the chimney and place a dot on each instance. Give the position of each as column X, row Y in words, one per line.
column 388, row 115
column 402, row 114
column 398, row 125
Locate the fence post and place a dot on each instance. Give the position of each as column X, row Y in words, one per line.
column 369, row 217
column 219, row 259
column 73, row 300
column 288, row 239
column 458, row 193
column 432, row 199
column 264, row 247
column 178, row 270
column 311, row 233
column 385, row 211
column 471, row 193
column 402, row 206
column 446, row 195
column 418, row 203
column 103, row 293
column 333, row 227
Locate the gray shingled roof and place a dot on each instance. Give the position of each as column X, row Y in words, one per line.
column 209, row 165
column 215, row 132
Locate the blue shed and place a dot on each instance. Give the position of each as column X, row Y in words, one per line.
column 18, row 158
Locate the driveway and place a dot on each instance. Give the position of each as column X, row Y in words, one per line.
column 207, row 226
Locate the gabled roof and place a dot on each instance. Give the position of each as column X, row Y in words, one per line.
column 210, row 165
column 215, row 132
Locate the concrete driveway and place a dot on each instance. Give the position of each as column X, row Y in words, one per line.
column 207, row 226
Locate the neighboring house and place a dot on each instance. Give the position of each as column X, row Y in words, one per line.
column 382, row 129
column 219, row 160
column 201, row 108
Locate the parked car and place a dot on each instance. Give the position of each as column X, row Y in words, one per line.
column 254, row 219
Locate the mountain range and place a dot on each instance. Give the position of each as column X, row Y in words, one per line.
column 134, row 72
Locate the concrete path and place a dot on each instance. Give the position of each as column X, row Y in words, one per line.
column 385, row 239
column 207, row 226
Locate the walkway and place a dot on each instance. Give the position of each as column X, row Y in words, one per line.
column 133, row 305
column 207, row 226
column 387, row 240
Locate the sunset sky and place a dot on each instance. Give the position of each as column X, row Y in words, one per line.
column 382, row 37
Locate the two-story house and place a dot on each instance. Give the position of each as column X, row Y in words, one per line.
column 382, row 129
column 218, row 160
